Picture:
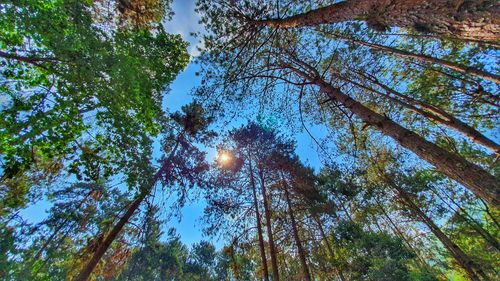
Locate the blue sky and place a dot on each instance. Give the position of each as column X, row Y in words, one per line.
column 184, row 22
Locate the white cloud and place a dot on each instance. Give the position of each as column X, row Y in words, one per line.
column 194, row 49
column 184, row 22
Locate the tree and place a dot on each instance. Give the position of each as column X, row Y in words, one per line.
column 472, row 269
column 386, row 171
column 68, row 85
column 202, row 261
column 302, row 254
column 450, row 164
column 170, row 259
column 184, row 166
column 402, row 93
column 472, row 20
column 257, row 63
column 155, row 259
column 429, row 111
column 374, row 255
column 251, row 148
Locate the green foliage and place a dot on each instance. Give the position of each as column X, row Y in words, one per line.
column 170, row 259
column 75, row 93
column 81, row 115
column 373, row 256
column 7, row 248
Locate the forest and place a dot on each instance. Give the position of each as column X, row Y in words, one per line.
column 335, row 140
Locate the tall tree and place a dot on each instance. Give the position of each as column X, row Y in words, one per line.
column 484, row 185
column 473, row 270
column 302, row 254
column 269, row 66
column 258, row 221
column 269, row 227
column 469, row 20
column 184, row 167
column 429, row 111
column 250, row 148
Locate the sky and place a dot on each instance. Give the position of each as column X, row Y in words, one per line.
column 188, row 225
column 184, row 22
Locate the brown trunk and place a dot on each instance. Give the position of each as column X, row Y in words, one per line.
column 480, row 182
column 430, row 112
column 267, row 214
column 329, row 247
column 468, row 20
column 428, row 59
column 300, row 249
column 104, row 246
column 259, row 224
column 473, row 271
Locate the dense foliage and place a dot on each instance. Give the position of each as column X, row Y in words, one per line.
column 399, row 98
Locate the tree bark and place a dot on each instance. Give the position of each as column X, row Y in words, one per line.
column 300, row 248
column 428, row 111
column 477, row 180
column 267, row 214
column 468, row 20
column 259, row 224
column 473, row 270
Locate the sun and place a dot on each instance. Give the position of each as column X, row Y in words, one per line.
column 224, row 157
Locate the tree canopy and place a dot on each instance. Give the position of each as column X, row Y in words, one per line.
column 399, row 100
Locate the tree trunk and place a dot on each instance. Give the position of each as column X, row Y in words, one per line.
column 431, row 60
column 267, row 214
column 428, row 111
column 106, row 243
column 479, row 182
column 300, row 249
column 468, row 20
column 329, row 247
column 473, row 270
column 103, row 247
column 259, row 224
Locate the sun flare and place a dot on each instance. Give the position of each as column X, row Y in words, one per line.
column 223, row 157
